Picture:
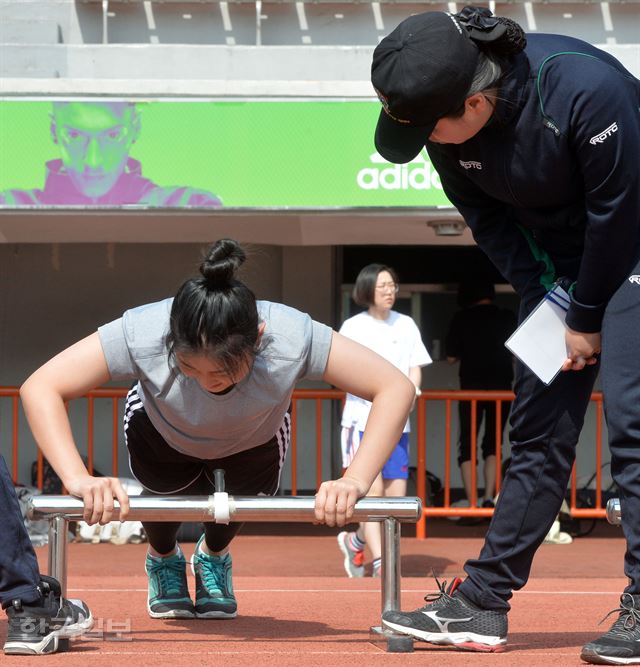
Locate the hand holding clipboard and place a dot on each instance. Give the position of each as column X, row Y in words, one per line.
column 539, row 342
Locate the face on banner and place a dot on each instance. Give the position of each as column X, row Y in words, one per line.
column 109, row 153
column 95, row 140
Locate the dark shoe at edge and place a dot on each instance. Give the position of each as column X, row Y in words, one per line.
column 620, row 645
column 35, row 629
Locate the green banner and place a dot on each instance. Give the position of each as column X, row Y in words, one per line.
column 253, row 154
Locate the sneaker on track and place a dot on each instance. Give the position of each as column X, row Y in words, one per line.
column 620, row 645
column 168, row 594
column 450, row 619
column 214, row 585
column 353, row 559
column 35, row 629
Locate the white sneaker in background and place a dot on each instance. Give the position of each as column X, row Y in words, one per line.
column 459, row 503
column 556, row 536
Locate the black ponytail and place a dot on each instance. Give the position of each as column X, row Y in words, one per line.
column 216, row 315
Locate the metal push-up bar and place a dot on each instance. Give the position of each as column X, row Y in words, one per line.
column 223, row 508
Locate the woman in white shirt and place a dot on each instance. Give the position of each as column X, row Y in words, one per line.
column 396, row 338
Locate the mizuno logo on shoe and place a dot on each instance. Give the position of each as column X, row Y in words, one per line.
column 443, row 623
column 635, row 279
column 605, row 134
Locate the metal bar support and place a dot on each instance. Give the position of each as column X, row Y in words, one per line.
column 390, row 569
column 58, row 529
column 382, row 637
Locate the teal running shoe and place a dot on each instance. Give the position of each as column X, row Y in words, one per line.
column 168, row 595
column 214, row 585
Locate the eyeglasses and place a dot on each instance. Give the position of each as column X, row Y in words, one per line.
column 383, row 287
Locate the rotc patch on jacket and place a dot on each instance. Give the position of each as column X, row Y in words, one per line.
column 604, row 135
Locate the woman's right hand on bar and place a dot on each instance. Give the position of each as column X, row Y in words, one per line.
column 71, row 374
column 97, row 494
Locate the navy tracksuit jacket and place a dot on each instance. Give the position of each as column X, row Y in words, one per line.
column 550, row 188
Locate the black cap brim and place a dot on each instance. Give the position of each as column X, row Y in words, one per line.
column 400, row 142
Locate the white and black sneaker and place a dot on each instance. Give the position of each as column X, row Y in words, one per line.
column 620, row 645
column 37, row 628
column 450, row 619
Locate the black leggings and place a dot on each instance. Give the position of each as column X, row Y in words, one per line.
column 486, row 409
column 162, row 535
column 163, row 470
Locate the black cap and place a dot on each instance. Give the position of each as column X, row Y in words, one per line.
column 421, row 72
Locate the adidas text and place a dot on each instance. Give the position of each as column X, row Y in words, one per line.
column 418, row 174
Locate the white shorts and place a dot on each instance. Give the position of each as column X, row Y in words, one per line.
column 396, row 466
column 349, row 442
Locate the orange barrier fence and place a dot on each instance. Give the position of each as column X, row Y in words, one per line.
column 320, row 396
column 499, row 398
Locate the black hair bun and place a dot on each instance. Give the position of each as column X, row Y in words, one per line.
column 496, row 35
column 512, row 42
column 223, row 259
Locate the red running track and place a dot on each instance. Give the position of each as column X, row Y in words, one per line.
column 297, row 608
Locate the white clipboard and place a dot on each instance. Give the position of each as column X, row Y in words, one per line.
column 539, row 342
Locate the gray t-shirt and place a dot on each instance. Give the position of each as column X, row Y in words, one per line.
column 188, row 417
